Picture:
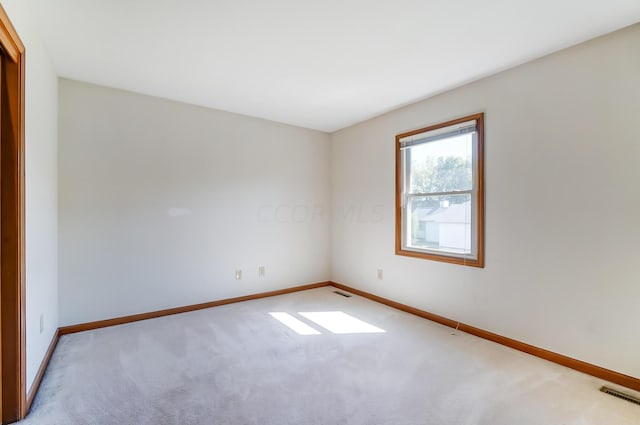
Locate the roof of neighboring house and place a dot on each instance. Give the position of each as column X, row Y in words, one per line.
column 454, row 213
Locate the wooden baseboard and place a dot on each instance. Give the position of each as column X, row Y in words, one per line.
column 43, row 367
column 584, row 367
column 144, row 316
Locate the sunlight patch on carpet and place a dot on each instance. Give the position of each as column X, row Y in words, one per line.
column 294, row 324
column 339, row 322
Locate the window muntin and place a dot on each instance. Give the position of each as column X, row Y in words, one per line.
column 439, row 192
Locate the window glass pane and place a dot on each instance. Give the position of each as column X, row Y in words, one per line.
column 442, row 166
column 440, row 223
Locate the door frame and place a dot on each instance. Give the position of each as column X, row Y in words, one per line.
column 13, row 394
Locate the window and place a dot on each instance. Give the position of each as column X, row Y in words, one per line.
column 440, row 192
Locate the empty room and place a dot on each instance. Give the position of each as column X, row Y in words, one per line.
column 408, row 212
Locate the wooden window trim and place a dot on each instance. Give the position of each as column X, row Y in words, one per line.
column 477, row 262
column 13, row 397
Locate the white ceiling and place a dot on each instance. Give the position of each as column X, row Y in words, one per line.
column 321, row 64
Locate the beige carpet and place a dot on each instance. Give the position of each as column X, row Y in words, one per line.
column 238, row 364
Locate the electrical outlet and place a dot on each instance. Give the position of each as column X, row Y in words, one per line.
column 380, row 274
column 261, row 271
column 238, row 274
column 41, row 323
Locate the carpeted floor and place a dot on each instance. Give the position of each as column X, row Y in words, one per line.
column 237, row 364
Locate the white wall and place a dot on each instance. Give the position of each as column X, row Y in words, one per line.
column 160, row 203
column 41, row 121
column 562, row 251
